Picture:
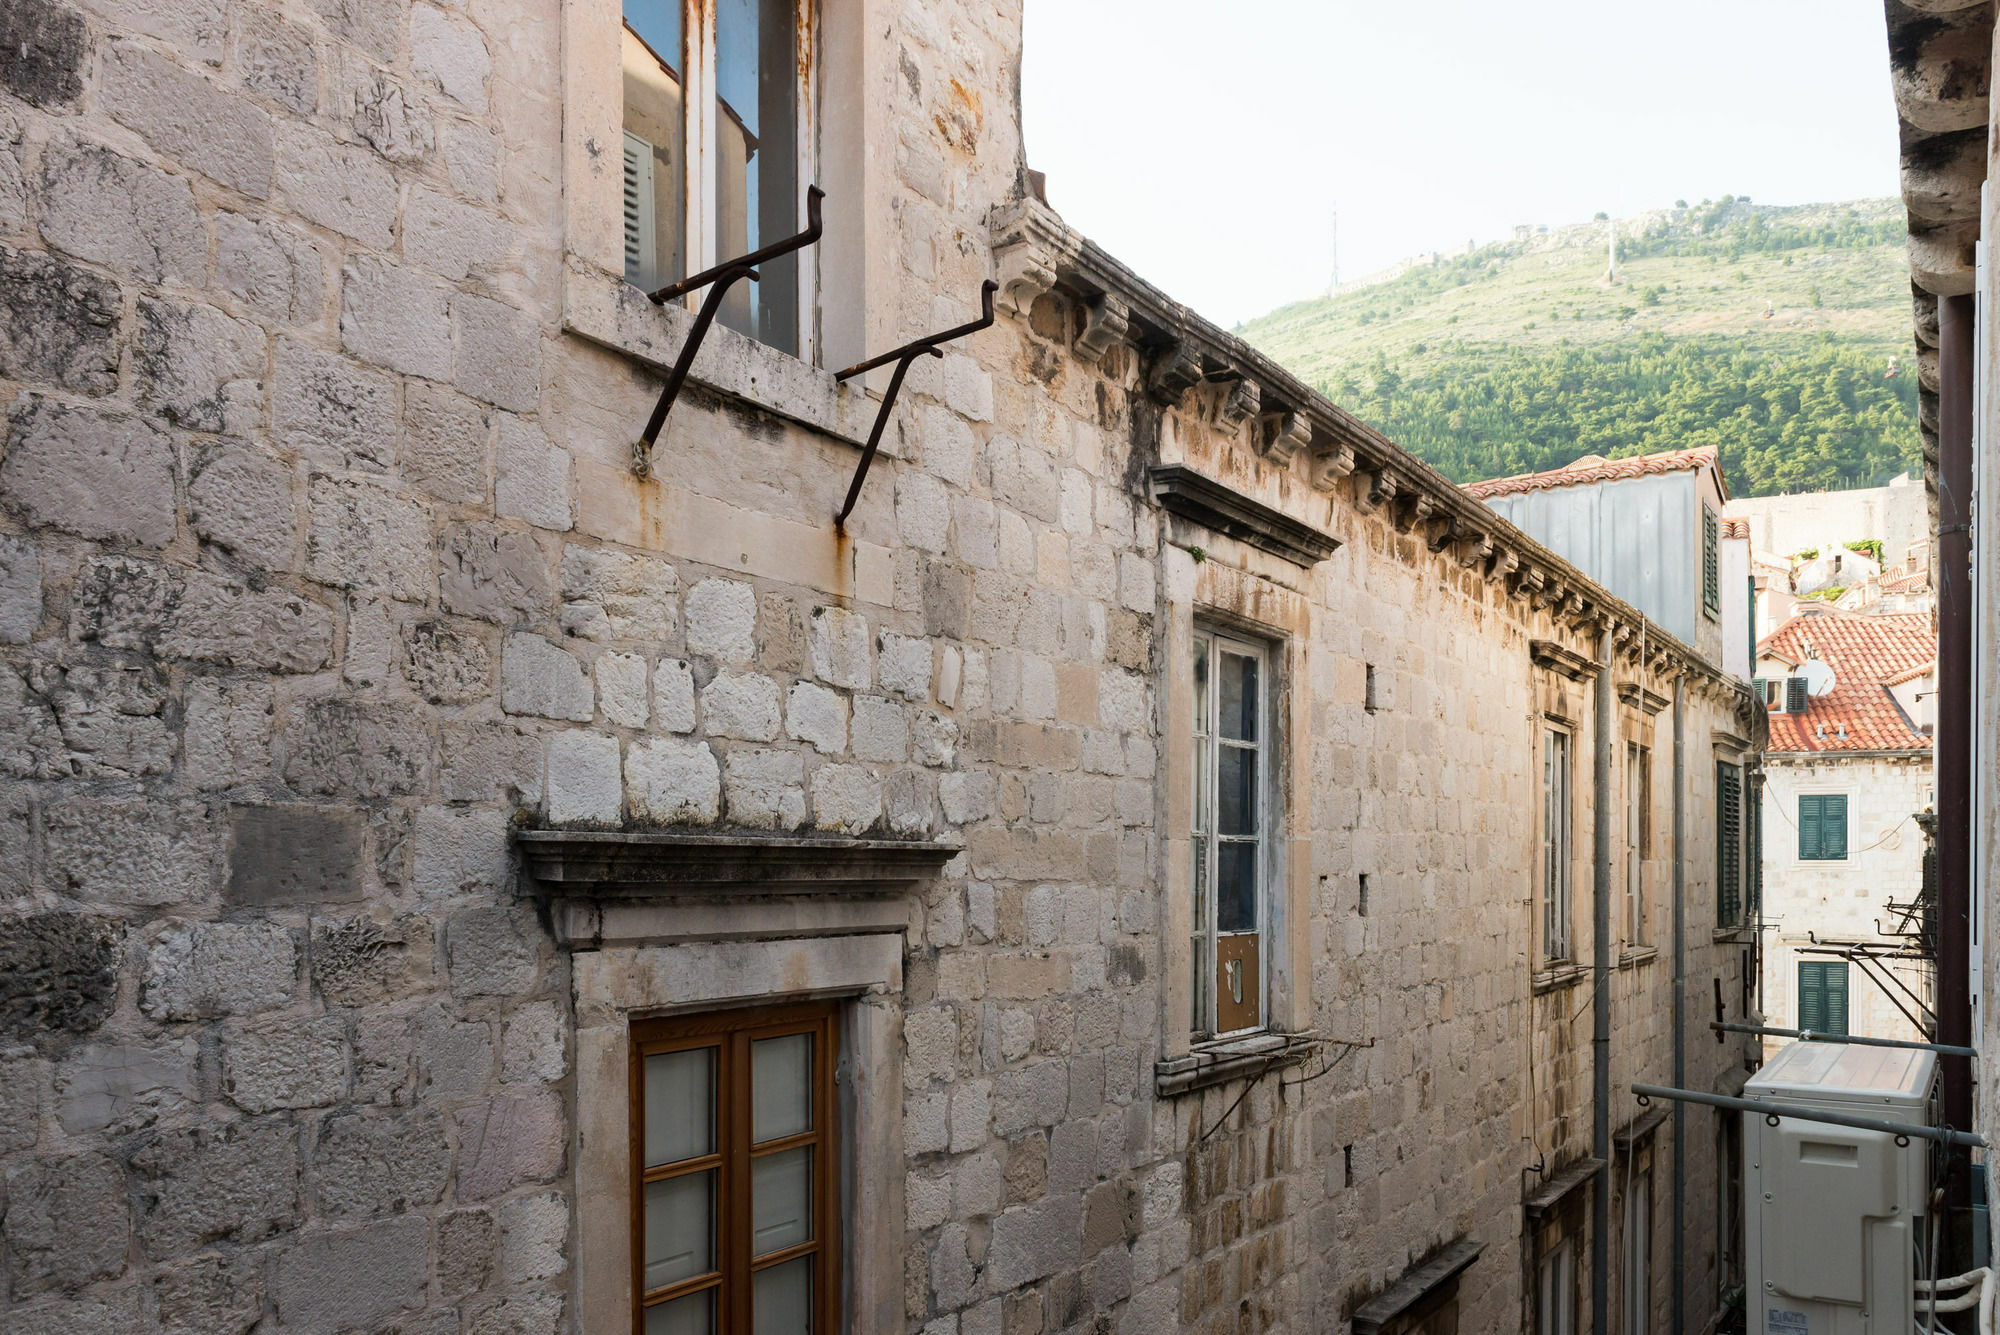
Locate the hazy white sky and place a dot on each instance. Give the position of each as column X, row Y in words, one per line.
column 1207, row 144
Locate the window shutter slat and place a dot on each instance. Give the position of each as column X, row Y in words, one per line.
column 1809, row 824
column 1836, row 998
column 1833, row 827
column 639, row 234
column 1812, row 996
column 1795, row 695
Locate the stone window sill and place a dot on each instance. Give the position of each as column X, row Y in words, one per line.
column 1558, row 976
column 1734, row 935
column 1218, row 1063
column 1638, row 955
column 611, row 313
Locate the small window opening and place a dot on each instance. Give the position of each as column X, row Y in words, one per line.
column 1371, row 700
column 1347, row 1155
column 1361, row 900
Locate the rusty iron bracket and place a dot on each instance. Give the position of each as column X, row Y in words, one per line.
column 718, row 281
column 903, row 356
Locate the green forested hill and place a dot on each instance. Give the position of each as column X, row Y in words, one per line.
column 1769, row 332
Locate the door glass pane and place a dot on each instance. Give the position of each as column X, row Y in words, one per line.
column 680, row 1228
column 1236, row 886
column 780, row 1086
column 1236, row 790
column 680, row 1102
column 781, row 1299
column 655, row 171
column 780, row 1200
column 691, row 1314
column 756, row 161
column 1239, row 697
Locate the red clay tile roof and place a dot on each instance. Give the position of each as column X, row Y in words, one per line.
column 1736, row 528
column 1923, row 669
column 1866, row 654
column 1596, row 468
column 1899, row 580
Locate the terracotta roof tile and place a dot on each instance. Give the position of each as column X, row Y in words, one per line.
column 1867, row 655
column 1897, row 579
column 1596, row 468
column 1736, row 528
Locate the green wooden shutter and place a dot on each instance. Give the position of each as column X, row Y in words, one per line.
column 1795, row 695
column 1833, row 826
column 1711, row 572
column 1809, row 826
column 1812, row 996
column 1761, row 688
column 1836, row 997
column 1728, row 845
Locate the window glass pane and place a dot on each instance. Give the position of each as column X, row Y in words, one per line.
column 655, row 171
column 781, row 1299
column 1198, row 849
column 680, row 1103
column 1236, row 791
column 1200, row 684
column 680, row 1228
column 780, row 1200
column 780, row 1086
column 692, row 1314
column 756, row 160
column 1204, row 787
column 1239, row 697
column 1236, row 886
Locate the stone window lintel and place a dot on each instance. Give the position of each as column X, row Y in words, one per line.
column 1416, row 1285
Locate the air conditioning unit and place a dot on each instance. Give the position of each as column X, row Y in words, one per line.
column 1833, row 1215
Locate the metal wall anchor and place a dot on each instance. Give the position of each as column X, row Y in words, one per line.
column 903, row 356
column 718, row 281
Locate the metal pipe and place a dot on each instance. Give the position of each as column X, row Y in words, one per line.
column 1600, row 1001
column 1808, row 1036
column 1941, row 1135
column 1954, row 708
column 1680, row 999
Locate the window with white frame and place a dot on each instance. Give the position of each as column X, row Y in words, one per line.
column 1228, row 833
column 1555, row 844
column 1638, row 1285
column 719, row 151
column 1555, row 1291
column 1638, row 837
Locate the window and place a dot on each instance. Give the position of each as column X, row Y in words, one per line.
column 1638, row 1284
column 1711, row 572
column 1795, row 695
column 1555, row 844
column 1822, row 827
column 1227, row 834
column 718, row 149
column 1823, row 996
column 1555, row 1291
column 1638, row 837
column 732, row 1147
column 1729, row 844
column 1761, row 688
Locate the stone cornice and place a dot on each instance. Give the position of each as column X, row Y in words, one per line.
column 1194, row 495
column 656, row 863
column 1036, row 253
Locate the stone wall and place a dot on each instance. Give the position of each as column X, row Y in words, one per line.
column 322, row 567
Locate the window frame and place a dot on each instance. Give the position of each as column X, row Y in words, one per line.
column 1711, row 561
column 1555, row 876
column 1826, row 970
column 1555, row 1290
column 1818, row 853
column 1636, row 1282
column 730, row 1032
column 701, row 116
column 1204, row 882
column 1638, row 837
column 1729, row 846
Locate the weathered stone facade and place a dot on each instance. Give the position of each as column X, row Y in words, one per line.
column 323, row 571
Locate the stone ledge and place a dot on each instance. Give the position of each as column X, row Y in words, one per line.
column 1221, row 1063
column 1637, row 696
column 1559, row 976
column 1633, row 958
column 1635, row 1131
column 650, row 864
column 1553, row 1191
column 1556, row 658
column 1416, row 1285
column 1195, row 496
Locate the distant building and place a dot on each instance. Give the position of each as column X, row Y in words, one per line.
column 1852, row 701
column 1827, row 520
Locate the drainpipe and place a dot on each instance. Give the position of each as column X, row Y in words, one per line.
column 1680, row 997
column 1600, row 1000
column 1954, row 708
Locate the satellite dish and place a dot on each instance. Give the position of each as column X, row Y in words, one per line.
column 1819, row 677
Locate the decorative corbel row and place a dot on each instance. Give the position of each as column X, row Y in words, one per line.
column 1285, row 434
column 1176, row 369
column 1416, row 509
column 1107, row 323
column 1238, row 404
column 1373, row 489
column 1330, row 463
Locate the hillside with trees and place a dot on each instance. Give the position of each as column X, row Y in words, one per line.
column 1780, row 335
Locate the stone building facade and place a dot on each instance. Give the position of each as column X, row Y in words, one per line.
column 386, row 760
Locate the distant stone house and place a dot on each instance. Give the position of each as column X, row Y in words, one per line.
column 1137, row 874
column 1848, row 943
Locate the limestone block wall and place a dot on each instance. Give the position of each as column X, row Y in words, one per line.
column 1845, row 900
column 322, row 568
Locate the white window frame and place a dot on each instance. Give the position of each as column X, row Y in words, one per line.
column 1555, row 1290
column 1205, row 805
column 698, row 86
column 1638, row 1280
column 1555, row 867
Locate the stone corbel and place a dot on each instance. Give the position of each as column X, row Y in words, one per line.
column 1237, row 405
column 1548, row 593
column 1285, row 434
column 1415, row 511
column 1330, row 463
column 1030, row 248
column 1176, row 369
column 1505, row 561
column 1109, row 320
column 1446, row 535
column 1373, row 489
column 1528, row 583
column 1474, row 549
column 1576, row 610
